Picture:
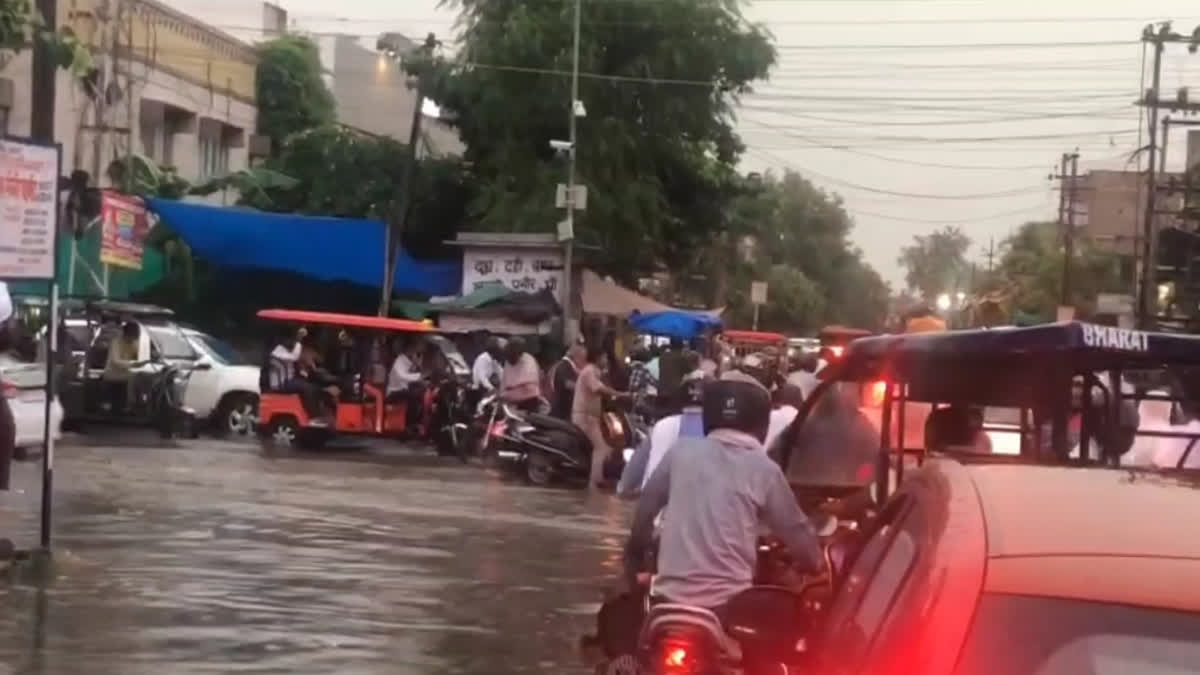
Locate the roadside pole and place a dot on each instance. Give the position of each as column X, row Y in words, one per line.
column 568, row 230
column 398, row 220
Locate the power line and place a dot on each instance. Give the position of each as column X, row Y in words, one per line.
column 1105, row 113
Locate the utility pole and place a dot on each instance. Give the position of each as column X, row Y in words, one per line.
column 43, row 93
column 991, row 254
column 394, row 232
column 1066, row 218
column 569, row 233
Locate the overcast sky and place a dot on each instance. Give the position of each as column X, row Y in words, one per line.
column 911, row 135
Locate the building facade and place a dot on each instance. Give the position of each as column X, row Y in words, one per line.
column 174, row 89
column 374, row 95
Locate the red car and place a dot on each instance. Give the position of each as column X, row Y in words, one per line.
column 1005, row 569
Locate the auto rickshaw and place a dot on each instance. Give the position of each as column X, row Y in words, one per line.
column 360, row 407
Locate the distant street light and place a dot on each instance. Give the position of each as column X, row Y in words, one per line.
column 943, row 302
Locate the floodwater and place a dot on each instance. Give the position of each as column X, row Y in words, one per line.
column 209, row 557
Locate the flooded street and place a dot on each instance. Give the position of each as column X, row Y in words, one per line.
column 209, row 557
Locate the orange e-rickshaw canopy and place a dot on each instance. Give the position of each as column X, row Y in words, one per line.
column 347, row 320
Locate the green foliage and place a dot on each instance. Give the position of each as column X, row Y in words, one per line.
column 656, row 156
column 1033, row 263
column 20, row 25
column 936, row 263
column 342, row 173
column 292, row 96
column 798, row 240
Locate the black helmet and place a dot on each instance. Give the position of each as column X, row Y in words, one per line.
column 737, row 401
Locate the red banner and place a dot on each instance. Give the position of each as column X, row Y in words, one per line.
column 124, row 225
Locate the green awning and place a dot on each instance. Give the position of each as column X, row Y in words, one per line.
column 481, row 296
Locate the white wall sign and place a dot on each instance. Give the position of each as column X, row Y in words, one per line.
column 28, row 209
column 758, row 292
column 521, row 269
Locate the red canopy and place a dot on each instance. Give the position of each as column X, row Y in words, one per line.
column 754, row 336
column 352, row 320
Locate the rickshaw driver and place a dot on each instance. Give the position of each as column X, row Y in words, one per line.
column 405, row 380
column 283, row 374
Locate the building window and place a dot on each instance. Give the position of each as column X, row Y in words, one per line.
column 214, row 157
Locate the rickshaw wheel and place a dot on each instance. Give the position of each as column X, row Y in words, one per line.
column 538, row 469
column 283, row 431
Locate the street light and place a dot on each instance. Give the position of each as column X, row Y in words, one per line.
column 943, row 302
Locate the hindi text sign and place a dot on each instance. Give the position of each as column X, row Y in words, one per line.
column 28, row 209
column 520, row 269
column 124, row 225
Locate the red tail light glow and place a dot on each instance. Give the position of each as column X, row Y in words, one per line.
column 676, row 658
column 498, row 429
column 837, row 351
column 10, row 389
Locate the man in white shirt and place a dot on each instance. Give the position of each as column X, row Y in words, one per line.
column 485, row 372
column 787, row 405
column 405, row 384
column 282, row 375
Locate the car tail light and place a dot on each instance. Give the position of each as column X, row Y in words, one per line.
column 9, row 388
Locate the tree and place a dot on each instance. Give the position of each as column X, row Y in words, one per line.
column 21, row 24
column 795, row 237
column 1032, row 263
column 292, row 96
column 321, row 160
column 657, row 149
column 936, row 263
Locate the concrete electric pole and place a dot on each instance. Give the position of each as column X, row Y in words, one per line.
column 574, row 111
column 1066, row 218
column 398, row 220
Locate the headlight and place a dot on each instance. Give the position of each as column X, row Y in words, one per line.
column 627, row 454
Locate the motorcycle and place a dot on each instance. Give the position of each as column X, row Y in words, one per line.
column 541, row 448
column 449, row 417
column 676, row 638
column 165, row 396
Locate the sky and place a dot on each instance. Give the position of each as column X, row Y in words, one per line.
column 918, row 113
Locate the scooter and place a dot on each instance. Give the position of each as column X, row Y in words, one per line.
column 541, row 448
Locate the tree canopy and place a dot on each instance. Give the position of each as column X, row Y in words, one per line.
column 936, row 263
column 1032, row 261
column 785, row 231
column 292, row 96
column 657, row 149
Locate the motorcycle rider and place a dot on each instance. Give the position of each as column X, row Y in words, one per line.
column 687, row 424
column 718, row 495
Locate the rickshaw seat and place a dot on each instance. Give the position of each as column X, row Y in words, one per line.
column 549, row 422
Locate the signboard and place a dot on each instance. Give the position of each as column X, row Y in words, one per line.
column 758, row 292
column 1114, row 303
column 562, row 197
column 28, row 209
column 521, row 269
column 124, row 225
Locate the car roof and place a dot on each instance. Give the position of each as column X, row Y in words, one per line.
column 1102, row 534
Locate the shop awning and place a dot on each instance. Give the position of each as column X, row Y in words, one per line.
column 600, row 296
column 328, row 249
column 675, row 323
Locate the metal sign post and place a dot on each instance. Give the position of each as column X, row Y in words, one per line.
column 758, row 297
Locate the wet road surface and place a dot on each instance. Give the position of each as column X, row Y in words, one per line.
column 210, row 557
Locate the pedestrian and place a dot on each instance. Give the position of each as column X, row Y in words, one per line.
column 563, row 376
column 485, row 371
column 521, row 380
column 8, row 426
column 587, row 409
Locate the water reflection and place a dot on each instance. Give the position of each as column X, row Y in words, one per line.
column 213, row 559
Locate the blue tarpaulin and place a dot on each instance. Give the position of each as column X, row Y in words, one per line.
column 676, row 324
column 328, row 249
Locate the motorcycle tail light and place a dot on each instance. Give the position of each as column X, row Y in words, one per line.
column 9, row 388
column 498, row 429
column 677, row 658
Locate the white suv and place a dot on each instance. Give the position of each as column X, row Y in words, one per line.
column 225, row 394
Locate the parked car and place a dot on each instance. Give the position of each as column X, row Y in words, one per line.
column 227, row 394
column 24, row 385
column 223, row 387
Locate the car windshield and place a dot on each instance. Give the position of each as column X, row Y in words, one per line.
column 171, row 343
column 1054, row 636
column 836, row 445
column 221, row 351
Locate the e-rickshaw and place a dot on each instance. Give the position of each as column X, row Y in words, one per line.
column 770, row 349
column 1074, row 394
column 361, row 408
